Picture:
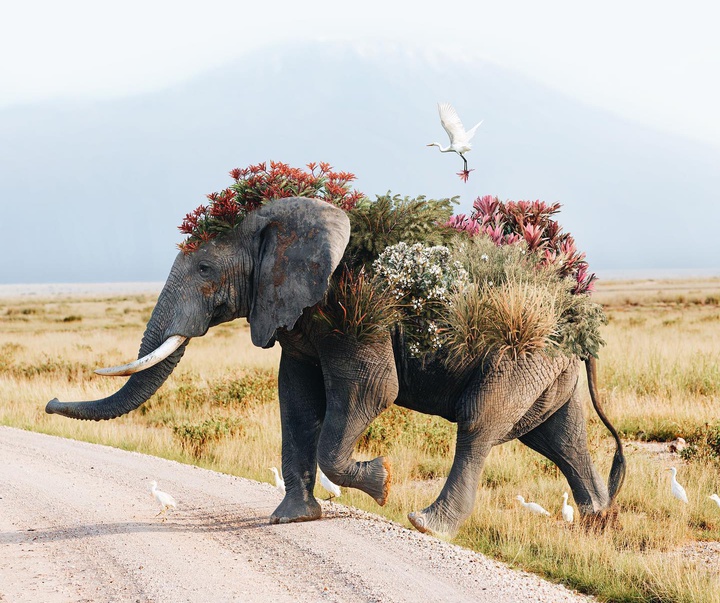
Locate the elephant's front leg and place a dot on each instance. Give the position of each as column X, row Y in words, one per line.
column 457, row 499
column 360, row 382
column 302, row 406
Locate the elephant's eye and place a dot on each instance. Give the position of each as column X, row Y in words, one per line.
column 204, row 269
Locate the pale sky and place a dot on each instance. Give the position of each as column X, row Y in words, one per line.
column 654, row 62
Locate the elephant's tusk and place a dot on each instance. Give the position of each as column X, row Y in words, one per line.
column 158, row 355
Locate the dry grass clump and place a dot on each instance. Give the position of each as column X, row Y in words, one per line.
column 195, row 438
column 521, row 319
column 357, row 305
column 515, row 306
column 513, row 319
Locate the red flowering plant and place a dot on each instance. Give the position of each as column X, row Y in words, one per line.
column 510, row 222
column 254, row 186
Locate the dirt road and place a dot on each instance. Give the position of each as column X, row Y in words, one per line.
column 77, row 523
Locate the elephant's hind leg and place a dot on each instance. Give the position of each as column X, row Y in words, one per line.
column 302, row 407
column 457, row 499
column 562, row 438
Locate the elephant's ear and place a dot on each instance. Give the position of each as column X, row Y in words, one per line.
column 301, row 242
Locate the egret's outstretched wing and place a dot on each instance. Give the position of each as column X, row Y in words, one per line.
column 451, row 122
column 471, row 132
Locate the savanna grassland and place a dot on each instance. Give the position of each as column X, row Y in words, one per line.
column 659, row 376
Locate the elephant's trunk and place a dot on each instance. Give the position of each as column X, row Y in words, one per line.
column 617, row 471
column 137, row 389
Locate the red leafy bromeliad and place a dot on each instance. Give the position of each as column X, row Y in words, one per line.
column 254, row 186
column 531, row 221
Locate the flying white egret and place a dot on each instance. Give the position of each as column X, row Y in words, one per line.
column 532, row 507
column 716, row 498
column 333, row 489
column 459, row 137
column 677, row 490
column 568, row 513
column 166, row 501
column 279, row 481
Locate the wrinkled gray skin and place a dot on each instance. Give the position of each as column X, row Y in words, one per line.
column 276, row 265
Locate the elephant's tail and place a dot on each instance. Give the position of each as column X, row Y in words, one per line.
column 617, row 472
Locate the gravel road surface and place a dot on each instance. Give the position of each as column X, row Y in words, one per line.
column 77, row 523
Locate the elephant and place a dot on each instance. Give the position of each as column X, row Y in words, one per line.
column 273, row 268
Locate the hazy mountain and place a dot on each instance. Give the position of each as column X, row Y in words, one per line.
column 95, row 191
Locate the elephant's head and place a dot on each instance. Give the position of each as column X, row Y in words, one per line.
column 269, row 269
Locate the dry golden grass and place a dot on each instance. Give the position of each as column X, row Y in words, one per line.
column 658, row 375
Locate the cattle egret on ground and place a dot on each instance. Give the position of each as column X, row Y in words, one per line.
column 459, row 137
column 716, row 498
column 568, row 513
column 677, row 490
column 333, row 489
column 279, row 481
column 532, row 507
column 166, row 501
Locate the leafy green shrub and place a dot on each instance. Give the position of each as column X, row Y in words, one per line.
column 376, row 225
column 195, row 438
column 703, row 444
column 432, row 435
column 432, row 468
column 58, row 368
column 255, row 388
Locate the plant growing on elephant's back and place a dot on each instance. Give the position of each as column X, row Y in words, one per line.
column 507, row 223
column 422, row 278
column 532, row 286
column 357, row 305
column 390, row 219
column 254, row 186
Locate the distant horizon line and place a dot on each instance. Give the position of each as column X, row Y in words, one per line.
column 52, row 289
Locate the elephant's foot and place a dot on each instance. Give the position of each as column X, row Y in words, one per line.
column 600, row 520
column 292, row 509
column 427, row 522
column 377, row 478
column 372, row 477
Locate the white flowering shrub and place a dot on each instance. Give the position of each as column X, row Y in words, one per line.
column 422, row 279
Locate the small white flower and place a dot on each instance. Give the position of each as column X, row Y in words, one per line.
column 484, row 257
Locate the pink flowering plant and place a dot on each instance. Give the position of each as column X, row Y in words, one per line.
column 507, row 223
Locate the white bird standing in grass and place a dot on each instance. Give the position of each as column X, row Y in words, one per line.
column 166, row 501
column 279, row 481
column 677, row 490
column 325, row 482
column 716, row 498
column 568, row 513
column 459, row 137
column 532, row 507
